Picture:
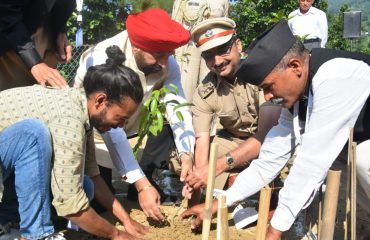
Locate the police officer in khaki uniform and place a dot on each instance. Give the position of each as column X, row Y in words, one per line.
column 236, row 104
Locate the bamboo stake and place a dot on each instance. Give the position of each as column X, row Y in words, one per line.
column 348, row 189
column 263, row 212
column 319, row 224
column 330, row 205
column 353, row 192
column 222, row 219
column 209, row 192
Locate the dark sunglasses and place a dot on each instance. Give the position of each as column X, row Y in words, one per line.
column 223, row 50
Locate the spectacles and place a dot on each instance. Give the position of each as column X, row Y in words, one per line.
column 223, row 50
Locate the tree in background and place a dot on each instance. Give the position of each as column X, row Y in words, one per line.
column 141, row 5
column 104, row 19
column 336, row 39
column 101, row 20
column 252, row 17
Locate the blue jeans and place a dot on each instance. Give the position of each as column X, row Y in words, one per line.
column 26, row 151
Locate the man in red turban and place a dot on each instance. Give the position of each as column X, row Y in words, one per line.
column 148, row 43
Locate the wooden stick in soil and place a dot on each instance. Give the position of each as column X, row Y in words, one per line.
column 263, row 212
column 209, row 192
column 222, row 219
column 319, row 219
column 353, row 192
column 347, row 222
column 330, row 205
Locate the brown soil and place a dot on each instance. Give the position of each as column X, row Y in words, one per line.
column 178, row 229
column 174, row 228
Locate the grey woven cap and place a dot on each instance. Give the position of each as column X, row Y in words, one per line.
column 265, row 53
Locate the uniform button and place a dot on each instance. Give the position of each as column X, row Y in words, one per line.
column 238, row 94
column 244, row 113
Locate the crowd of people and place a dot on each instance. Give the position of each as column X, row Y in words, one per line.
column 283, row 98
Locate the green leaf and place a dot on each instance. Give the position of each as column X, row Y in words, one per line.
column 154, row 129
column 180, row 116
column 160, row 121
column 173, row 101
column 183, row 105
column 155, row 94
column 153, row 106
column 174, row 87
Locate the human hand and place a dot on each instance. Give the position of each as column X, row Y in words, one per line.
column 187, row 191
column 149, row 200
column 198, row 177
column 134, row 228
column 186, row 166
column 46, row 75
column 198, row 212
column 64, row 48
column 273, row 234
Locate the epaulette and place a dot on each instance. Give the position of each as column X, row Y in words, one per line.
column 207, row 86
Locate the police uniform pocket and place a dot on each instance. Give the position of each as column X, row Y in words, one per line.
column 229, row 119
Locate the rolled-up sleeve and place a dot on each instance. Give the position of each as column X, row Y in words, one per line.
column 202, row 114
column 183, row 131
column 276, row 150
column 329, row 119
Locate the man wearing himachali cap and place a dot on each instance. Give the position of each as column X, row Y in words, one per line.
column 323, row 95
column 148, row 43
column 243, row 114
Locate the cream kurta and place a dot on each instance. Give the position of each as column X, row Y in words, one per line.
column 183, row 132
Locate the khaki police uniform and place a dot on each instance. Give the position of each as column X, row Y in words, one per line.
column 235, row 105
column 189, row 13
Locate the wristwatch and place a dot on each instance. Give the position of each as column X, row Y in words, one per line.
column 230, row 161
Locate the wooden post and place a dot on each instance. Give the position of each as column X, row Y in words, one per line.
column 353, row 192
column 348, row 188
column 209, row 192
column 330, row 205
column 222, row 219
column 263, row 212
column 319, row 219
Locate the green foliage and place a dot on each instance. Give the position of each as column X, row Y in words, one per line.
column 101, row 20
column 141, row 5
column 335, row 31
column 254, row 16
column 153, row 111
column 104, row 19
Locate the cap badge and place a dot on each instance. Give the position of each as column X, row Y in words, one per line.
column 209, row 33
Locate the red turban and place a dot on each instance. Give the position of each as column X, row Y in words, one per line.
column 154, row 31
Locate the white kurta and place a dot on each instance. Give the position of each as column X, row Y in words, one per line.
column 339, row 90
column 313, row 23
column 116, row 141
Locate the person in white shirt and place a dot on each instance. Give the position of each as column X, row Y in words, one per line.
column 309, row 23
column 322, row 95
column 148, row 43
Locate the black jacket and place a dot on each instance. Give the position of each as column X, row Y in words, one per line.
column 19, row 19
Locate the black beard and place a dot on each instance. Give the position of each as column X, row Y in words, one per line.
column 149, row 69
column 98, row 122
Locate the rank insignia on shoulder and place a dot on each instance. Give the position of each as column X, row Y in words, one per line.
column 206, row 90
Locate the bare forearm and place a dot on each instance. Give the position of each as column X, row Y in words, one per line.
column 249, row 150
column 242, row 155
column 91, row 222
column 105, row 197
column 202, row 141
